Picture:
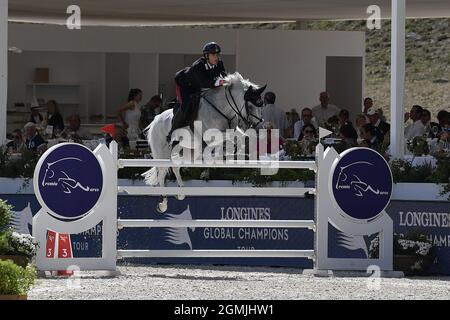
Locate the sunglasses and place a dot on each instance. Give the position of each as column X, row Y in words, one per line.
column 309, row 131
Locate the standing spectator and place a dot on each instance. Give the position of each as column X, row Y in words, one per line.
column 444, row 121
column 369, row 134
column 307, row 118
column 382, row 127
column 17, row 144
column 130, row 114
column 150, row 110
column 416, row 128
column 74, row 130
column 34, row 142
column 368, row 103
column 324, row 110
column 54, row 117
column 35, row 116
column 273, row 114
column 293, row 118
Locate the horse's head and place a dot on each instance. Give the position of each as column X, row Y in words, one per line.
column 254, row 104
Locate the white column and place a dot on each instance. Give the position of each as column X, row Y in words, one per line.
column 3, row 67
column 398, row 78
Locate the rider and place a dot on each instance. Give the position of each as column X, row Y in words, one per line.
column 206, row 72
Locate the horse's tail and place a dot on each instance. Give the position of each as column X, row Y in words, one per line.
column 156, row 141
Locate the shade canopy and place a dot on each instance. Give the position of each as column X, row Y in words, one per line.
column 154, row 12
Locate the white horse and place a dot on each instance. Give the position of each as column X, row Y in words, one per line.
column 237, row 105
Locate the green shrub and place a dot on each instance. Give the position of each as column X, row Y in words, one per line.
column 5, row 214
column 15, row 280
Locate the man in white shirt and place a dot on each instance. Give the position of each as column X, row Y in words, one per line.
column 417, row 128
column 307, row 118
column 324, row 110
column 273, row 114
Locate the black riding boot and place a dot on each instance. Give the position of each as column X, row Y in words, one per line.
column 178, row 121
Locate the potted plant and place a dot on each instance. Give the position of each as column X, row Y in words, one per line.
column 413, row 253
column 19, row 248
column 15, row 281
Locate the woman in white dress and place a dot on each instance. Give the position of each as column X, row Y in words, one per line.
column 130, row 114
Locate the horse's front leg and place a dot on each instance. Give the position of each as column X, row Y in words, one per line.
column 180, row 183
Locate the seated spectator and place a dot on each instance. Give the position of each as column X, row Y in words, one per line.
column 54, row 117
column 274, row 115
column 349, row 138
column 35, row 116
column 307, row 118
column 324, row 110
column 431, row 128
column 444, row 123
column 34, row 142
column 74, row 130
column 382, row 127
column 150, row 110
column 17, row 144
column 360, row 121
column 308, row 139
column 370, row 136
column 416, row 128
column 344, row 117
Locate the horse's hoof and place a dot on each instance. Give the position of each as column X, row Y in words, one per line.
column 161, row 207
column 180, row 197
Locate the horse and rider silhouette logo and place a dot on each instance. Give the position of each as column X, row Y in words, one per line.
column 70, row 181
column 361, row 183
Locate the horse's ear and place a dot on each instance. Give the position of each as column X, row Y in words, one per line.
column 261, row 90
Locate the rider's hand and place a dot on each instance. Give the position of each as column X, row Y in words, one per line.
column 220, row 82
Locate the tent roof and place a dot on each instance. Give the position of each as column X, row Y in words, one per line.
column 160, row 12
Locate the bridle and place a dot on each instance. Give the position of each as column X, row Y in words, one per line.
column 237, row 111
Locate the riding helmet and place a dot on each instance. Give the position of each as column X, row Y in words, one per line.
column 211, row 47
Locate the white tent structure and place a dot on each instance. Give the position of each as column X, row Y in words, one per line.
column 170, row 12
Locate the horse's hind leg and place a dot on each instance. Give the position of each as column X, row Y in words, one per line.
column 177, row 173
column 161, row 207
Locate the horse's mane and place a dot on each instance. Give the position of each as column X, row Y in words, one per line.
column 236, row 78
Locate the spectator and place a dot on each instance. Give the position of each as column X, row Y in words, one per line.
column 150, row 110
column 416, row 128
column 309, row 132
column 360, row 121
column 35, row 116
column 273, row 114
column 74, row 130
column 368, row 103
column 54, row 117
column 308, row 139
column 17, row 144
column 324, row 110
column 34, row 142
column 349, row 138
column 130, row 114
column 382, row 127
column 344, row 117
column 293, row 118
column 307, row 118
column 444, row 121
column 370, row 136
column 432, row 129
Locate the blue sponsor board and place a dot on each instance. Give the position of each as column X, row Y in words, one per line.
column 430, row 218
